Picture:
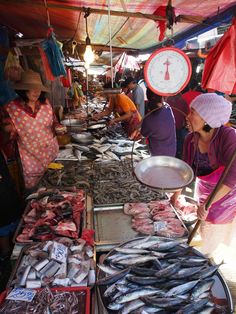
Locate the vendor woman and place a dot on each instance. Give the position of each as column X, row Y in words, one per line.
column 124, row 111
column 28, row 124
column 208, row 150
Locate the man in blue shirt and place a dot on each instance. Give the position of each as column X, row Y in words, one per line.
column 137, row 94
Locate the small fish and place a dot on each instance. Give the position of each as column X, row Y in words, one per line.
column 114, row 306
column 187, row 272
column 141, row 271
column 165, row 246
column 142, row 281
column 136, row 242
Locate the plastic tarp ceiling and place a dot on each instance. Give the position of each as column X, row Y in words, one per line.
column 30, row 18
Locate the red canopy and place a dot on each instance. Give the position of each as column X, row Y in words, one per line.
column 220, row 66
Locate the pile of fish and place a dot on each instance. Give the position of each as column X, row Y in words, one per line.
column 52, row 213
column 186, row 210
column 73, row 174
column 106, row 149
column 157, row 275
column 48, row 301
column 155, row 217
column 62, row 262
column 122, row 191
column 113, row 170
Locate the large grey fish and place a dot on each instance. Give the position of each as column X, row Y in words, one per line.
column 126, row 287
column 168, row 271
column 164, row 302
column 194, row 307
column 143, row 281
column 209, row 271
column 146, row 245
column 131, row 250
column 142, row 271
column 136, row 295
column 182, row 289
column 115, row 306
column 132, row 306
column 113, row 278
column 202, row 287
column 110, row 290
column 164, row 246
column 136, row 260
column 187, row 272
column 124, row 257
column 107, row 269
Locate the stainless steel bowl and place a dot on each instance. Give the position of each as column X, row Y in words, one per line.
column 82, row 138
column 73, row 122
column 164, row 173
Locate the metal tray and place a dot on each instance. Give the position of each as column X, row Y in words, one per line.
column 220, row 289
column 164, row 173
column 112, row 227
column 83, row 223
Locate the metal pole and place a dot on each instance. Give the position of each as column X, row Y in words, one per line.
column 110, row 43
column 87, row 89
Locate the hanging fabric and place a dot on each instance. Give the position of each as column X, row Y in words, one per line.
column 46, row 66
column 220, row 65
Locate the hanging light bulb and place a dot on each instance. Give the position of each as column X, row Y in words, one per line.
column 88, row 55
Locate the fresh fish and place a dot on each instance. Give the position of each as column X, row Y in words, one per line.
column 164, row 302
column 132, row 306
column 194, row 307
column 137, row 260
column 131, row 250
column 126, row 287
column 41, row 264
column 202, row 287
column 209, row 271
column 107, row 269
column 182, row 289
column 141, row 271
column 33, row 284
column 142, row 281
column 110, row 290
column 177, row 253
column 124, row 257
column 150, row 310
column 136, row 295
column 136, row 242
column 158, row 254
column 187, row 272
column 114, row 306
column 113, row 278
column 168, row 271
column 25, row 276
column 173, row 283
column 146, row 245
column 165, row 246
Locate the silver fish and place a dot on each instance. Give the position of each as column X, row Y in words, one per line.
column 202, row 287
column 131, row 251
column 115, row 306
column 113, row 278
column 182, row 289
column 165, row 246
column 168, row 271
column 136, row 260
column 187, row 272
column 194, row 307
column 110, row 290
column 107, row 269
column 136, row 242
column 136, row 295
column 163, row 302
column 132, row 306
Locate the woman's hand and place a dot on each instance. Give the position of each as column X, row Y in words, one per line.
column 135, row 135
column 202, row 212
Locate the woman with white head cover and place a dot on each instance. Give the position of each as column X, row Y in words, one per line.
column 208, row 150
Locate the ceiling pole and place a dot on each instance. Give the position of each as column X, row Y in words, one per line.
column 110, row 43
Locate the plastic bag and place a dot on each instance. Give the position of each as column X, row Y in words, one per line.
column 12, row 69
column 54, row 54
column 46, row 66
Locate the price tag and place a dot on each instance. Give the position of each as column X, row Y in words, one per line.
column 59, row 252
column 20, row 294
column 159, row 225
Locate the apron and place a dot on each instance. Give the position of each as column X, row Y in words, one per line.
column 36, row 142
column 131, row 125
column 224, row 210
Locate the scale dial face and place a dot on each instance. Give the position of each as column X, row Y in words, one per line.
column 167, row 71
